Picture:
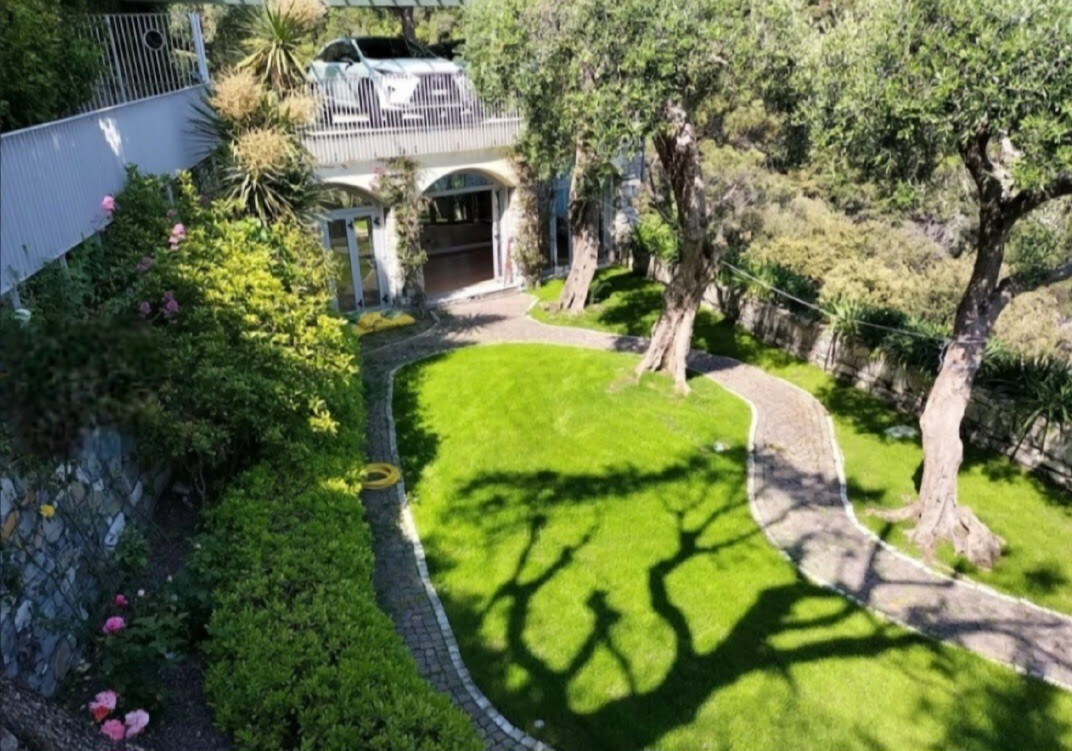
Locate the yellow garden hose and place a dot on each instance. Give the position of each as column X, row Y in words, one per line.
column 379, row 475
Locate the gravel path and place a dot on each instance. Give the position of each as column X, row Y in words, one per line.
column 797, row 494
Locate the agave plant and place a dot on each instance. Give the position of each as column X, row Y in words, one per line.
column 278, row 42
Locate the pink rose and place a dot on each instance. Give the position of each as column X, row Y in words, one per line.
column 120, row 601
column 102, row 705
column 145, row 309
column 113, row 625
column 136, row 722
column 107, row 205
column 145, row 264
column 113, row 730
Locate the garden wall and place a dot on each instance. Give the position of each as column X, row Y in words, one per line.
column 59, row 528
column 991, row 421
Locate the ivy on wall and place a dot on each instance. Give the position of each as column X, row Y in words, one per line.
column 397, row 188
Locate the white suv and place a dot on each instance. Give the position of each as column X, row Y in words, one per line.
column 389, row 81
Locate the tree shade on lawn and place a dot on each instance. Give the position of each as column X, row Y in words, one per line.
column 1034, row 517
column 592, row 543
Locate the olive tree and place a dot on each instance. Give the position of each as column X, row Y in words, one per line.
column 902, row 87
column 546, row 59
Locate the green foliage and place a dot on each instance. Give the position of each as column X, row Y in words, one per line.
column 211, row 352
column 299, row 654
column 397, row 189
column 1040, row 386
column 656, row 238
column 133, row 661
column 597, row 73
column 48, row 60
column 901, row 86
column 279, row 41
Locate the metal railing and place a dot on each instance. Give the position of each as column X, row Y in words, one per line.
column 359, row 119
column 145, row 55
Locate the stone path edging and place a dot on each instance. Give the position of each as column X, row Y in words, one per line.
column 793, row 490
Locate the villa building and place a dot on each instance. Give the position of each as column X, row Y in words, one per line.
column 157, row 73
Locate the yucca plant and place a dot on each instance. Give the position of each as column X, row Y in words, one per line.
column 278, row 42
column 1040, row 387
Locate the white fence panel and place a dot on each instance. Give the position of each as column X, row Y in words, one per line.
column 358, row 121
column 53, row 176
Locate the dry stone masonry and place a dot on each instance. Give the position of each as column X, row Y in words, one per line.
column 59, row 526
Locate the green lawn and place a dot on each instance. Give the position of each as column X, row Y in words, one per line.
column 610, row 590
column 1034, row 517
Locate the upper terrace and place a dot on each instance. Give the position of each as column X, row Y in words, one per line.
column 154, row 71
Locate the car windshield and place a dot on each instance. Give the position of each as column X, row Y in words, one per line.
column 388, row 48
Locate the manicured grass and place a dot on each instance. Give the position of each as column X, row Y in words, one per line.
column 610, row 590
column 1034, row 517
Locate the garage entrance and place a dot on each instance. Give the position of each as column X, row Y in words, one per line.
column 460, row 232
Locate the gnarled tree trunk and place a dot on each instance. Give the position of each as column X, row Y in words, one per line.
column 938, row 513
column 679, row 153
column 409, row 24
column 672, row 335
column 584, row 235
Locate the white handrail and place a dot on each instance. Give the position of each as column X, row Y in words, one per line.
column 361, row 120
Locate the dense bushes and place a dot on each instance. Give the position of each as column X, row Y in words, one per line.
column 300, row 655
column 207, row 336
column 48, row 60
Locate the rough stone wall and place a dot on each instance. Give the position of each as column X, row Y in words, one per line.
column 990, row 422
column 59, row 527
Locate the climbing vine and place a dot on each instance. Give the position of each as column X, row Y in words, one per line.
column 397, row 188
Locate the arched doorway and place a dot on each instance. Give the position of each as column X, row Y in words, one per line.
column 461, row 232
column 352, row 227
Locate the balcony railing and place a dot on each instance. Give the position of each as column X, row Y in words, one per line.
column 53, row 175
column 359, row 120
column 145, row 55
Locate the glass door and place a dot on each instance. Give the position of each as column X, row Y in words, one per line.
column 369, row 271
column 339, row 242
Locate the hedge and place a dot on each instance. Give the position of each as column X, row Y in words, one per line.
column 300, row 656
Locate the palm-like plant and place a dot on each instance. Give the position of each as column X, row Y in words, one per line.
column 278, row 42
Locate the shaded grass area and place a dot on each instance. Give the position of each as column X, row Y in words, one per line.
column 610, row 589
column 1033, row 516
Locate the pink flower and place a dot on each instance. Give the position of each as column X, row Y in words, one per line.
column 120, row 601
column 178, row 234
column 114, row 625
column 107, row 205
column 136, row 722
column 102, row 704
column 145, row 309
column 171, row 305
column 114, row 730
column 145, row 264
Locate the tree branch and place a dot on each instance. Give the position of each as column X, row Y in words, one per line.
column 1028, row 200
column 1014, row 285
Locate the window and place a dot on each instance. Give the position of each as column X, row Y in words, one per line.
column 465, row 208
column 339, row 52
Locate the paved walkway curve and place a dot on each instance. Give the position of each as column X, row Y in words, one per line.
column 797, row 494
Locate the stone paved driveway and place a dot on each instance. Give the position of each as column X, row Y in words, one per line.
column 797, row 495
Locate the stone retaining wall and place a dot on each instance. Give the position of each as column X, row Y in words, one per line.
column 59, row 528
column 991, row 421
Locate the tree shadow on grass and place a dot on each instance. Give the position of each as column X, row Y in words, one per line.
column 640, row 717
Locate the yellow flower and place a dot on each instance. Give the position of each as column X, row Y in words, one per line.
column 236, row 95
column 48, row 510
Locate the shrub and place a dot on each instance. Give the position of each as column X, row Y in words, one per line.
column 299, row 654
column 208, row 337
column 654, row 237
column 49, row 61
